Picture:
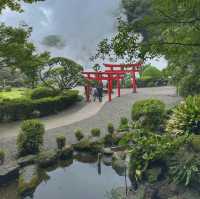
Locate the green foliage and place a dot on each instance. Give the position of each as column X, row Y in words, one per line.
column 185, row 168
column 23, row 108
column 61, row 73
column 110, row 128
column 96, row 132
column 152, row 72
column 79, row 135
column 15, row 5
column 17, row 52
column 7, row 88
column 43, row 92
column 190, row 85
column 123, row 126
column 168, row 28
column 30, row 137
column 185, row 117
column 148, row 149
column 2, row 156
column 149, row 113
column 61, row 141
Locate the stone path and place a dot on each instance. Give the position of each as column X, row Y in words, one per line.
column 87, row 116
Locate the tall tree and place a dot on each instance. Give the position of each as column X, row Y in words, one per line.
column 173, row 31
column 61, row 73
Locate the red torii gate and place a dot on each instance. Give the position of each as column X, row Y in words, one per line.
column 126, row 68
column 109, row 76
column 114, row 72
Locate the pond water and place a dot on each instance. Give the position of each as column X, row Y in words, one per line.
column 77, row 180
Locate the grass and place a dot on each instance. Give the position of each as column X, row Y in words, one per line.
column 15, row 93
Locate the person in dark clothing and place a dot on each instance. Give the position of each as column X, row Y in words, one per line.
column 100, row 91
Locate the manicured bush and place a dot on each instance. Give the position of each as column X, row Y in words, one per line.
column 110, row 128
column 43, row 92
column 149, row 112
column 185, row 117
column 24, row 108
column 61, row 141
column 95, row 132
column 30, row 137
column 2, row 156
column 79, row 135
column 123, row 126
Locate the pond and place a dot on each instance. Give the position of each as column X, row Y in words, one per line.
column 74, row 180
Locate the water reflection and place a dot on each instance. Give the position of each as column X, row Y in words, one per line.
column 81, row 178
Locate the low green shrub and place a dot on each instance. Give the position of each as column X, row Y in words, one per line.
column 110, row 128
column 185, row 117
column 149, row 112
column 149, row 149
column 79, row 135
column 2, row 156
column 30, row 137
column 185, row 167
column 123, row 126
column 43, row 92
column 61, row 141
column 96, row 132
column 24, row 108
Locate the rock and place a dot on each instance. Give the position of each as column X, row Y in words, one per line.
column 88, row 145
column 28, row 180
column 47, row 158
column 119, row 155
column 153, row 174
column 107, row 151
column 8, row 172
column 119, row 166
column 66, row 153
column 107, row 160
column 27, row 160
column 86, row 157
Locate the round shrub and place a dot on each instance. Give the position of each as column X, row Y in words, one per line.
column 79, row 135
column 185, row 117
column 123, row 126
column 30, row 137
column 110, row 128
column 95, row 132
column 149, row 112
column 2, row 156
column 61, row 141
column 43, row 92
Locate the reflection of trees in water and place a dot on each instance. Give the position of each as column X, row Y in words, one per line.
column 86, row 157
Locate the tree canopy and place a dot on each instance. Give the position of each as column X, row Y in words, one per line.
column 15, row 5
column 61, row 73
column 158, row 28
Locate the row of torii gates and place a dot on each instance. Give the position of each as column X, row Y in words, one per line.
column 113, row 72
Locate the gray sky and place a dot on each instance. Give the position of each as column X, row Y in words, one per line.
column 82, row 23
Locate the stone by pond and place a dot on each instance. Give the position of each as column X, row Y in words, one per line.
column 73, row 180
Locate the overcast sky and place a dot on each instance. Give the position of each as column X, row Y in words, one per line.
column 82, row 23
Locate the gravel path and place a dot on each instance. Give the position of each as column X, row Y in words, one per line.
column 109, row 112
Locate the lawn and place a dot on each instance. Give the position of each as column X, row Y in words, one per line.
column 15, row 93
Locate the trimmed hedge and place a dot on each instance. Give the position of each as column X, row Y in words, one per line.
column 149, row 113
column 43, row 92
column 23, row 108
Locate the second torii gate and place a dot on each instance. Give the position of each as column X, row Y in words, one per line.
column 124, row 69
